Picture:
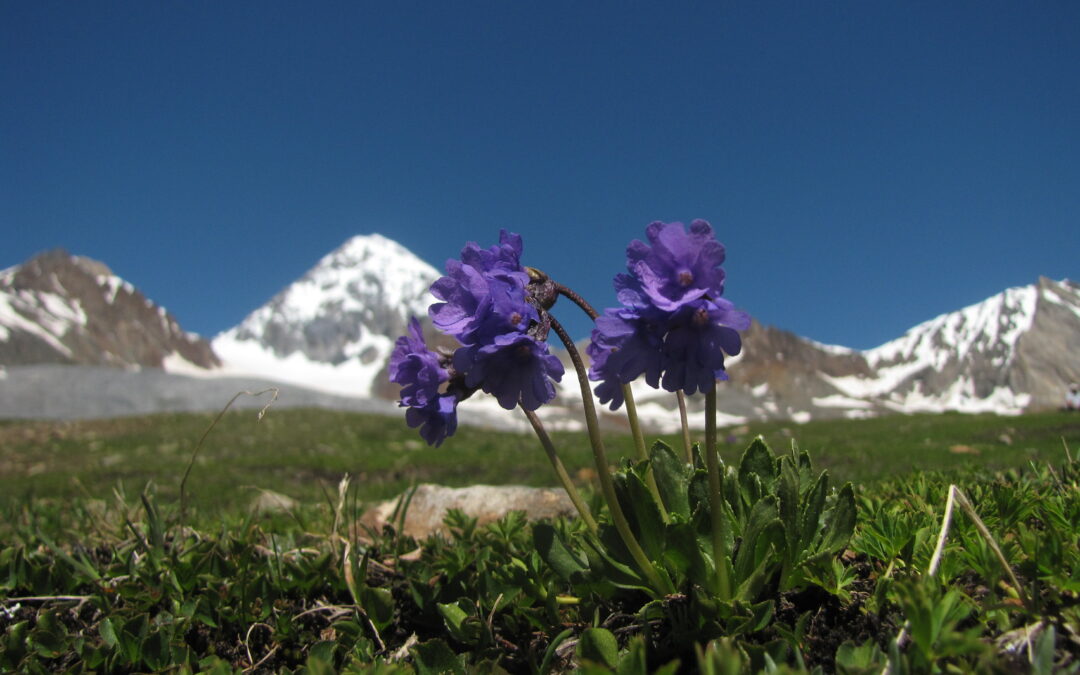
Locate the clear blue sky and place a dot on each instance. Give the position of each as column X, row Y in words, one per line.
column 869, row 165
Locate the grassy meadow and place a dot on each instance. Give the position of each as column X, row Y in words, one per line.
column 100, row 571
column 303, row 453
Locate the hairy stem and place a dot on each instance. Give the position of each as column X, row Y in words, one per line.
column 628, row 398
column 607, row 485
column 560, row 469
column 716, row 506
column 685, row 427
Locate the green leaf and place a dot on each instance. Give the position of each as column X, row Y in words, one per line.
column 436, row 658
column 840, row 521
column 557, row 555
column 598, row 645
column 758, row 461
column 788, row 493
column 634, row 661
column 671, row 478
column 812, row 506
column 762, row 529
column 865, row 659
column 684, row 553
column 643, row 512
column 379, row 605
column 461, row 625
column 108, row 632
column 155, row 651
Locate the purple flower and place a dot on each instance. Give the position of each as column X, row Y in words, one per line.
column 484, row 293
column 437, row 420
column 679, row 266
column 421, row 375
column 505, row 255
column 673, row 326
column 416, row 368
column 626, row 343
column 513, row 368
column 697, row 337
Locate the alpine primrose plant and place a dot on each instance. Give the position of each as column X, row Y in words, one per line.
column 673, row 327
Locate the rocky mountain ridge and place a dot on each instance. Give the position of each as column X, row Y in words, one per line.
column 333, row 330
column 60, row 308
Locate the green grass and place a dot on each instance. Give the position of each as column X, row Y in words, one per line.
column 304, row 453
column 98, row 575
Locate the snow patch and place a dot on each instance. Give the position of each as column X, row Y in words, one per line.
column 176, row 364
column 349, row 378
column 839, row 401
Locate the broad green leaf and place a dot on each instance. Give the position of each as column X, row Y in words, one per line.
column 634, row 661
column 684, row 553
column 787, row 491
column 379, row 605
column 671, row 478
column 599, row 646
column 458, row 623
column 436, row 658
column 643, row 512
column 840, row 521
column 108, row 632
column 758, row 461
column 556, row 554
column 811, row 514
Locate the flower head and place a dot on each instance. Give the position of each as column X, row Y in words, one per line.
column 677, row 266
column 484, row 293
column 496, row 309
column 437, row 420
column 673, row 326
column 514, row 368
column 698, row 336
column 626, row 343
column 421, row 375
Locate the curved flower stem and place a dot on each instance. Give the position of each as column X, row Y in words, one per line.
column 716, row 498
column 560, row 470
column 635, row 431
column 603, row 471
column 628, row 398
column 685, row 427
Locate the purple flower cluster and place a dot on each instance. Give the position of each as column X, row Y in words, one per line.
column 673, row 326
column 485, row 305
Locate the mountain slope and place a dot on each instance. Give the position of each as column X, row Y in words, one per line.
column 334, row 328
column 60, row 308
column 1014, row 350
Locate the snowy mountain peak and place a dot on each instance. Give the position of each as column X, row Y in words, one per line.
column 991, row 326
column 334, row 328
column 60, row 308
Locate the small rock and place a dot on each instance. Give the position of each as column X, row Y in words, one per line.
column 963, row 450
column 269, row 501
column 486, row 503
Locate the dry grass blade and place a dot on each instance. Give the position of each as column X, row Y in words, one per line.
column 202, row 439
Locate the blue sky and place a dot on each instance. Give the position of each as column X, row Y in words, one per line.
column 869, row 165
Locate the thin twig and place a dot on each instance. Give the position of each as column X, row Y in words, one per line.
column 50, row 598
column 956, row 496
column 335, row 609
column 247, row 645
column 202, row 439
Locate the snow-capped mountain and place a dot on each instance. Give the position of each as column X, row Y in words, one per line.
column 334, row 328
column 1017, row 349
column 60, row 308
